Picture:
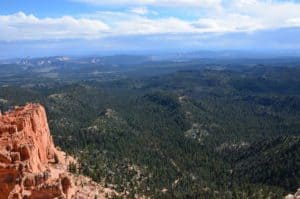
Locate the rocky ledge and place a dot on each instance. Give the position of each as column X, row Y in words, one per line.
column 294, row 196
column 30, row 165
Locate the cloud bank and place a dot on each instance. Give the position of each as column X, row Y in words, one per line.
column 219, row 17
column 137, row 24
column 163, row 3
column 20, row 26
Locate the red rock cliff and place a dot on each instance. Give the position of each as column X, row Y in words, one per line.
column 26, row 150
column 30, row 166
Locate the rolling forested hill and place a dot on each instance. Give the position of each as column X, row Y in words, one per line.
column 197, row 129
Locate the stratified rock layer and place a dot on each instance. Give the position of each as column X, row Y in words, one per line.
column 30, row 166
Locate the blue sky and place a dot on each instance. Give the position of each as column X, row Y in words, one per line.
column 67, row 27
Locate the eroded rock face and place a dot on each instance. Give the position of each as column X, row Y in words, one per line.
column 30, row 165
column 26, row 154
column 295, row 196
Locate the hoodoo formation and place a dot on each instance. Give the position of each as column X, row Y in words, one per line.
column 30, row 165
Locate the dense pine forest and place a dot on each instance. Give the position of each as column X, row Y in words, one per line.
column 197, row 129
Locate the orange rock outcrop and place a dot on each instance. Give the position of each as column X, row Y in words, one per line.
column 30, row 165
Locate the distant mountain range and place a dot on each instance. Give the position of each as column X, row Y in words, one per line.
column 140, row 58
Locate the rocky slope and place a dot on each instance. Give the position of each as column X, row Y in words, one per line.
column 294, row 196
column 30, row 165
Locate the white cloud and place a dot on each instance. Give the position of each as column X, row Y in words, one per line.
column 251, row 15
column 140, row 10
column 293, row 22
column 232, row 16
column 267, row 13
column 218, row 15
column 164, row 3
column 142, row 25
column 126, row 23
column 20, row 26
column 228, row 23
